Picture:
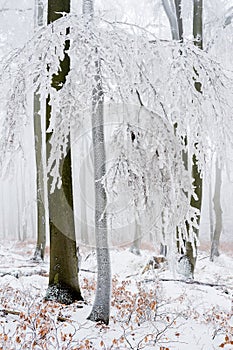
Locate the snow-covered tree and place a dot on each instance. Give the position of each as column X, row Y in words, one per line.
column 153, row 76
column 171, row 12
column 63, row 274
column 101, row 308
column 40, row 161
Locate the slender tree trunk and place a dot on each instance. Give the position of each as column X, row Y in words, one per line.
column 197, row 23
column 179, row 19
column 135, row 247
column 63, row 275
column 40, row 178
column 211, row 217
column 218, row 215
column 40, row 183
column 83, row 208
column 171, row 13
column 101, row 307
column 197, row 180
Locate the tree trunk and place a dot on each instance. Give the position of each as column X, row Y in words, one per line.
column 179, row 19
column 63, row 275
column 40, row 178
column 171, row 13
column 83, row 207
column 211, row 218
column 197, row 23
column 136, row 245
column 197, row 180
column 218, row 215
column 101, row 307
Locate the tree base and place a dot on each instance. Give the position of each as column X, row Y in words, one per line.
column 97, row 315
column 38, row 255
column 214, row 254
column 185, row 267
column 134, row 250
column 62, row 294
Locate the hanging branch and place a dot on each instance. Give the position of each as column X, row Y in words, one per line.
column 132, row 65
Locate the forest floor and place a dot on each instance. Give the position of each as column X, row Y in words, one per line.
column 151, row 308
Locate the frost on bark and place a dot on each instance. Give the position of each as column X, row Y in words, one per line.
column 218, row 215
column 88, row 7
column 196, row 200
column 135, row 246
column 101, row 307
column 211, row 217
column 173, row 12
column 197, row 23
column 63, row 275
column 179, row 19
column 170, row 10
column 40, row 178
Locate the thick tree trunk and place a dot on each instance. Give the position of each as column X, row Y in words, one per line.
column 63, row 275
column 101, row 307
column 218, row 215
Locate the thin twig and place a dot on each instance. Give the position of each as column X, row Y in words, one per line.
column 193, row 282
column 11, row 312
column 85, row 270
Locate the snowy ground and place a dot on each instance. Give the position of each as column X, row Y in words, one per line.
column 149, row 309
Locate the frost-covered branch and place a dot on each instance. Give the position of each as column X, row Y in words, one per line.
column 132, row 65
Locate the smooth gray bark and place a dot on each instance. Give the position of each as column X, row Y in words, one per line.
column 101, row 307
column 179, row 19
column 228, row 17
column 211, row 216
column 170, row 10
column 197, row 23
column 40, row 173
column 83, row 211
column 88, row 7
column 135, row 246
column 218, row 215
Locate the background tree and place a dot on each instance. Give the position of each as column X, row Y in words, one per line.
column 171, row 7
column 196, row 199
column 179, row 19
column 63, row 273
column 216, row 229
column 40, row 174
column 162, row 73
column 173, row 12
